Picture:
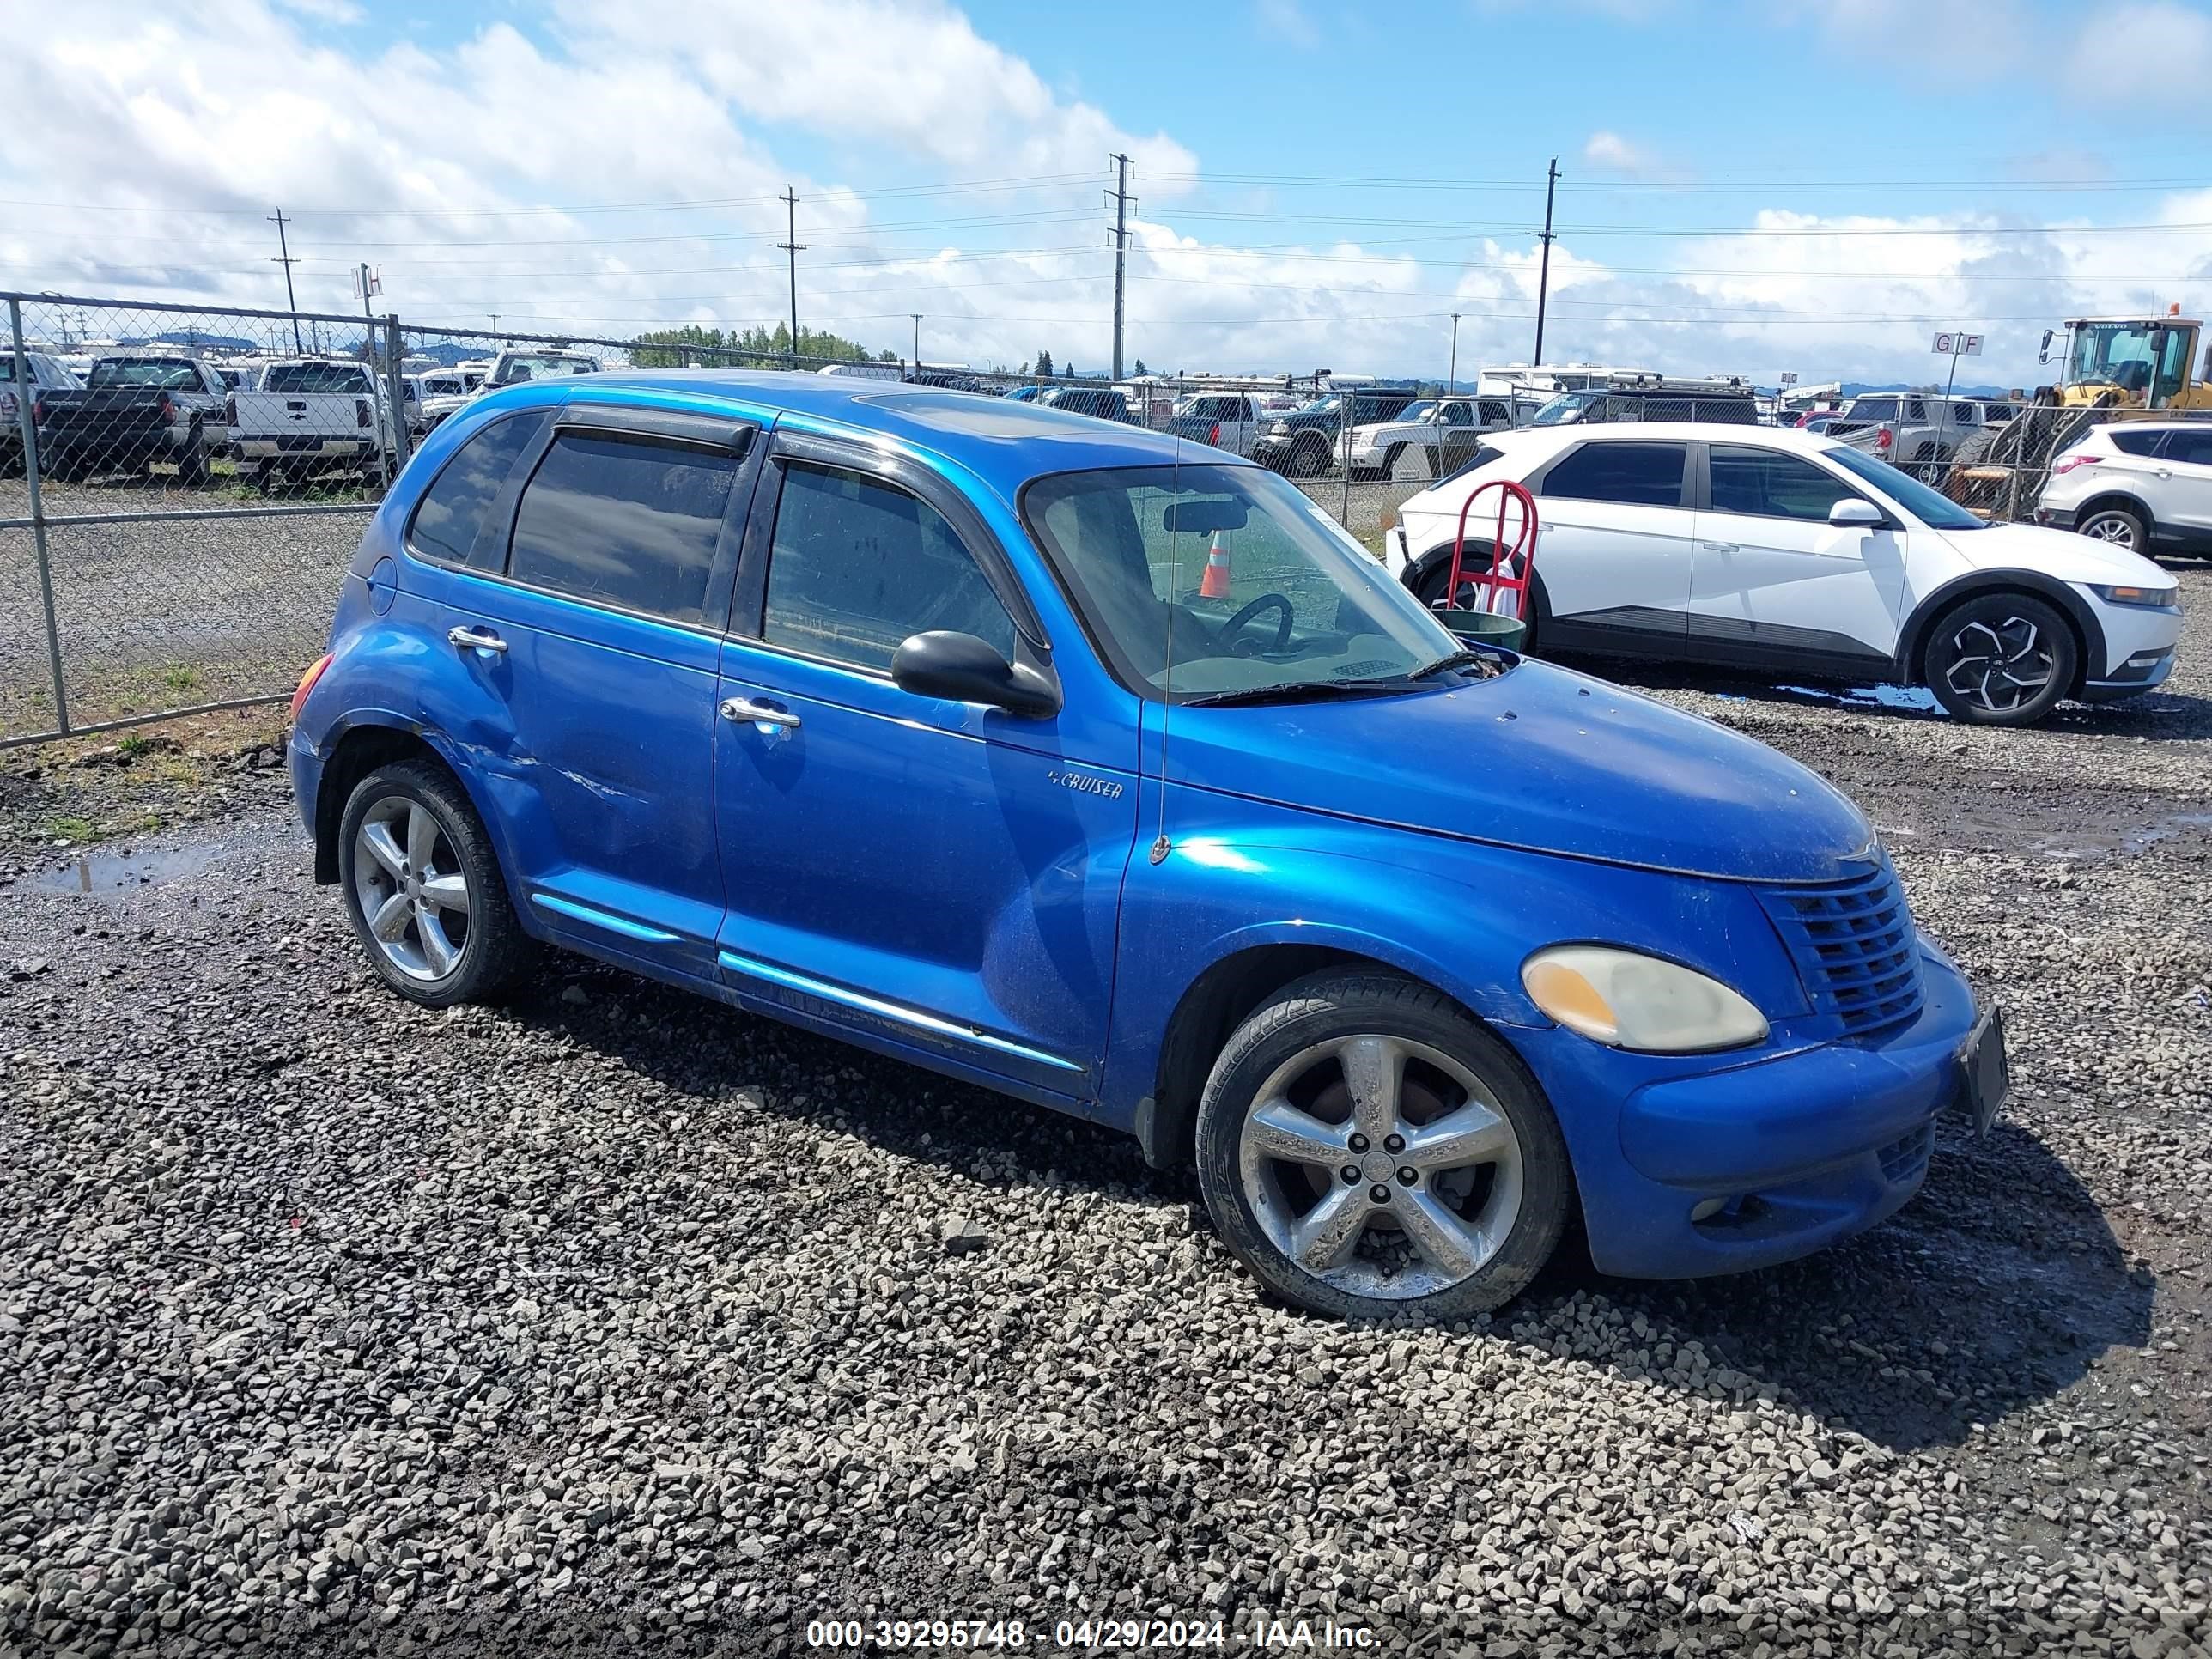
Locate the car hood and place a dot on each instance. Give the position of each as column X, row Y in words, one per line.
column 1540, row 758
column 2056, row 553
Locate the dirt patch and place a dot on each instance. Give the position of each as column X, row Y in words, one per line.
column 57, row 800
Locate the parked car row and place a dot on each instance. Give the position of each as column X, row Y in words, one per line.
column 1779, row 551
column 1656, row 983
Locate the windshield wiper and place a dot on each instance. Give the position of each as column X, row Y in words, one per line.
column 1458, row 659
column 1298, row 691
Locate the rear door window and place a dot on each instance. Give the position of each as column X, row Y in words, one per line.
column 2191, row 448
column 1634, row 475
column 623, row 521
column 450, row 515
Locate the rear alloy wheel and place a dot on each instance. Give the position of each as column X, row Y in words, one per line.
column 424, row 890
column 2119, row 526
column 1371, row 1152
column 2001, row 660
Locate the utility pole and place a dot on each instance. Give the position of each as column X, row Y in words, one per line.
column 1452, row 375
column 494, row 315
column 917, row 340
column 1544, row 275
column 285, row 258
column 1120, row 196
column 794, row 247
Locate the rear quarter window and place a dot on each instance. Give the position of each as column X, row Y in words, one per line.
column 2137, row 443
column 450, row 519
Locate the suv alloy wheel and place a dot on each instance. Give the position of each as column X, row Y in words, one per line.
column 2000, row 660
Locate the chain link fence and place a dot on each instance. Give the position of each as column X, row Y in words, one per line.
column 182, row 487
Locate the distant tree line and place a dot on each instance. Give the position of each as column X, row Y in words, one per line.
column 661, row 348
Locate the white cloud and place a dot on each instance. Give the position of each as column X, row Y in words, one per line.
column 1286, row 21
column 443, row 163
column 1610, row 149
column 2153, row 46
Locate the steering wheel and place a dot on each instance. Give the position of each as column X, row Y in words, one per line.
column 1234, row 624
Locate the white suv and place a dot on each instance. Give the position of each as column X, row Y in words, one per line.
column 1769, row 549
column 2143, row 485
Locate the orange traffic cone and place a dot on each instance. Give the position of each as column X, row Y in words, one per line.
column 1215, row 583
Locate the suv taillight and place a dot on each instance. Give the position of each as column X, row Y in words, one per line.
column 2068, row 463
column 230, row 410
column 1883, row 439
column 1214, row 436
column 168, row 409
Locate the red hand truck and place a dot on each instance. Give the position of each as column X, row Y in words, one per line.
column 1501, row 589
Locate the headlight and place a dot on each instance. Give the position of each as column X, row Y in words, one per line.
column 1280, row 429
column 2150, row 596
column 1627, row 1000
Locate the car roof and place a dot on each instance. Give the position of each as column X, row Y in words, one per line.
column 1726, row 432
column 1003, row 442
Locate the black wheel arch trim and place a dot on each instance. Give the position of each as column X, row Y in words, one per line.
column 1419, row 570
column 2089, row 633
column 2106, row 499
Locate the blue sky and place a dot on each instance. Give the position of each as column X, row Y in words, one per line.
column 1746, row 188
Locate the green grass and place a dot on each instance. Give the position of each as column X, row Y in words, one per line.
column 180, row 678
column 132, row 744
column 73, row 828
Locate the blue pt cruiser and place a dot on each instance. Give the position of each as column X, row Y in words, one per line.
column 1105, row 770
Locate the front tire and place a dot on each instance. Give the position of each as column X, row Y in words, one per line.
column 2000, row 660
column 423, row 889
column 1308, row 461
column 1349, row 1084
column 2118, row 526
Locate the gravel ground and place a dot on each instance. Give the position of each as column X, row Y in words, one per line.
column 612, row 1320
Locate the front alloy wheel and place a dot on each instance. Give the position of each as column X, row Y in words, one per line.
column 2005, row 659
column 1369, row 1152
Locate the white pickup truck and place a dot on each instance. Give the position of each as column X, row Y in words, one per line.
column 311, row 412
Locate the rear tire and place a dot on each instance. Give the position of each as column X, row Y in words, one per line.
column 416, row 867
column 2118, row 525
column 1369, row 1072
column 2000, row 660
column 192, row 464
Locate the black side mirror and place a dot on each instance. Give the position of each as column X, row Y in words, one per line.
column 962, row 668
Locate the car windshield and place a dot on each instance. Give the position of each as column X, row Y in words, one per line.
column 1931, row 507
column 1199, row 580
column 1566, row 408
column 1420, row 412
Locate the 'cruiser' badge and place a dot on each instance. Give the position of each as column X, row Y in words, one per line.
column 1105, row 787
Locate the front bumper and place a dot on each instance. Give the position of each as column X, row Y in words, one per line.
column 1803, row 1149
